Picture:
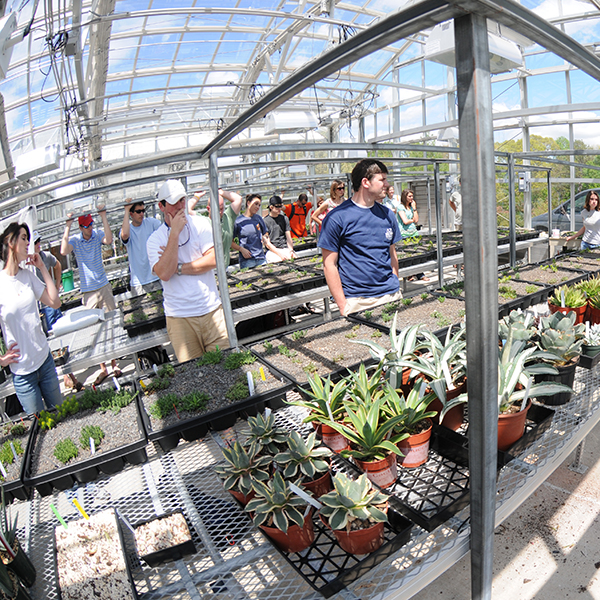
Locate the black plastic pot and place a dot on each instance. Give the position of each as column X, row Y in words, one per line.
column 566, row 376
column 22, row 566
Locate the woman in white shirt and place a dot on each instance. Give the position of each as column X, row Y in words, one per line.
column 28, row 353
column 591, row 222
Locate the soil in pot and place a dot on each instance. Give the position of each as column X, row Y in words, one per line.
column 433, row 312
column 322, row 349
column 511, row 426
column 214, row 385
column 90, row 560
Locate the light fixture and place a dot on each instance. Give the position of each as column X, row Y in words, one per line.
column 290, row 121
column 36, row 162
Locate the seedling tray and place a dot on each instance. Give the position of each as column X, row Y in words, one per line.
column 152, row 324
column 328, row 569
column 455, row 446
column 176, row 552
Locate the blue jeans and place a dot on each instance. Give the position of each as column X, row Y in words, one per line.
column 249, row 263
column 51, row 315
column 41, row 383
column 586, row 246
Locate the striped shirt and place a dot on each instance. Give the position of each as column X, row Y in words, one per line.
column 89, row 259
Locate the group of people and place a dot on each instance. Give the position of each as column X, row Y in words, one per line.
column 357, row 238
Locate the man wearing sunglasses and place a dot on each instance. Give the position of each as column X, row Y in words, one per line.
column 279, row 242
column 182, row 253
column 134, row 234
column 87, row 247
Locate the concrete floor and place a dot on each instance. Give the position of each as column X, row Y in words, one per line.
column 549, row 549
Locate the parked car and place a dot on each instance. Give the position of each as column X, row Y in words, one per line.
column 561, row 216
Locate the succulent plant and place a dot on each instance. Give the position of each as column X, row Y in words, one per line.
column 574, row 297
column 592, row 336
column 521, row 323
column 302, row 457
column 321, row 394
column 412, row 408
column 561, row 337
column 590, row 287
column 275, row 505
column 265, row 434
column 243, row 469
column 361, row 386
column 352, row 501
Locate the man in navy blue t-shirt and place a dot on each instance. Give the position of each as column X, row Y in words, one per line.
column 357, row 239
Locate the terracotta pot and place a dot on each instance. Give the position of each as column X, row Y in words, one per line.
column 566, row 375
column 320, row 486
column 511, row 427
column 415, row 448
column 579, row 311
column 380, row 472
column 243, row 500
column 593, row 314
column 331, row 438
column 296, row 539
column 362, row 541
column 454, row 418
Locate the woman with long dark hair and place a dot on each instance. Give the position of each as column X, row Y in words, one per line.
column 28, row 353
column 591, row 222
column 408, row 217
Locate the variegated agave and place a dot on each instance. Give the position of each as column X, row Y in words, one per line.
column 243, row 468
column 303, row 458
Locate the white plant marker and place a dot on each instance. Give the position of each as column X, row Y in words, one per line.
column 562, row 298
column 117, row 386
column 250, row 382
column 306, row 497
column 155, row 369
column 92, row 446
column 3, row 470
column 12, row 447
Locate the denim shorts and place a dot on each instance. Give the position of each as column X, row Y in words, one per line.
column 586, row 246
column 250, row 263
column 43, row 383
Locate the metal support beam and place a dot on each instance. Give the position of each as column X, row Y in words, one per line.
column 438, row 219
column 213, row 181
column 512, row 217
column 481, row 286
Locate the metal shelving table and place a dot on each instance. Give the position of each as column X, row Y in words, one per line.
column 235, row 561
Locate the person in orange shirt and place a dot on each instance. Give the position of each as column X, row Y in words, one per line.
column 297, row 213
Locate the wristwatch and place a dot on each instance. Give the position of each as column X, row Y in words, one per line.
column 179, row 266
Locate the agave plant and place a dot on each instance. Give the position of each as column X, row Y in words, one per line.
column 324, row 400
column 573, row 296
column 303, row 457
column 403, row 345
column 590, row 287
column 265, row 434
column 243, row 468
column 592, row 335
column 276, row 505
column 561, row 338
column 522, row 325
column 517, row 364
column 412, row 408
column 353, row 501
column 362, row 387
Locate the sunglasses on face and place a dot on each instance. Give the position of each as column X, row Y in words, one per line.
column 277, row 205
column 85, row 226
column 139, row 211
column 341, row 189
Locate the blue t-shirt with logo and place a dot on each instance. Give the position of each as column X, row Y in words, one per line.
column 250, row 231
column 362, row 238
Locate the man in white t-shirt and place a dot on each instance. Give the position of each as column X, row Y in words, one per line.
column 455, row 202
column 134, row 234
column 181, row 252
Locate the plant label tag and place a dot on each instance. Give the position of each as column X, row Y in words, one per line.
column 155, row 369
column 562, row 298
column 307, row 497
column 12, row 447
column 3, row 470
column 250, row 382
column 92, row 446
column 117, row 386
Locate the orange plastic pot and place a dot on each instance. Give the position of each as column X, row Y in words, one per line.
column 361, row 541
column 296, row 538
column 593, row 315
column 380, row 472
column 511, row 427
column 415, row 448
column 334, row 440
column 579, row 311
column 320, row 486
column 454, row 418
column 241, row 498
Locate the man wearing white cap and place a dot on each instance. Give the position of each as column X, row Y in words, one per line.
column 181, row 252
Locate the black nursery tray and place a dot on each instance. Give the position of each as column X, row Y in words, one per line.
column 152, row 324
column 589, row 361
column 328, row 569
column 455, row 446
column 84, row 471
column 196, row 427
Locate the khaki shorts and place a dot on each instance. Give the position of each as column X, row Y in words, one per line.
column 191, row 337
column 357, row 304
column 101, row 298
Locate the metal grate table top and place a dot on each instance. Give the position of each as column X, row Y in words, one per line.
column 234, row 561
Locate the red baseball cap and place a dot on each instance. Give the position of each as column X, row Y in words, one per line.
column 85, row 220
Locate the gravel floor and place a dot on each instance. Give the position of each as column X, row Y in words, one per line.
column 540, row 274
column 119, row 430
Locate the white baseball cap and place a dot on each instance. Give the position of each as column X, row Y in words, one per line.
column 171, row 191
column 36, row 236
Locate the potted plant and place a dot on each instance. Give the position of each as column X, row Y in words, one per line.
column 591, row 341
column 264, row 434
column 517, row 364
column 522, row 325
column 594, row 309
column 562, row 339
column 10, row 587
column 14, row 556
column 415, row 422
column 373, row 443
column 591, row 288
column 282, row 514
column 567, row 299
column 243, row 468
column 306, row 460
column 356, row 513
column 325, row 402
column 443, row 365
